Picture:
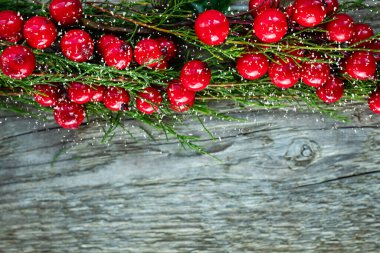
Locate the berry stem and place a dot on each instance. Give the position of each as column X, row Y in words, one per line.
column 240, row 22
column 244, row 98
column 113, row 29
column 317, row 48
column 276, row 3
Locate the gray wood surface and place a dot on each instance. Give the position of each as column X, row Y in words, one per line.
column 289, row 181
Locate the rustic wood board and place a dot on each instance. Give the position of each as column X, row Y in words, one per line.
column 288, row 181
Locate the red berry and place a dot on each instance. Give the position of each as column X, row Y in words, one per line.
column 66, row 12
column 309, row 13
column 361, row 32
column 148, row 100
column 39, row 32
column 80, row 93
column 47, row 95
column 162, row 65
column 332, row 90
column 252, row 66
column 257, row 6
column 105, row 40
column 168, row 48
column 15, row 38
column 148, row 53
column 116, row 98
column 285, row 73
column 77, row 45
column 361, row 65
column 178, row 95
column 374, row 101
column 212, row 27
column 270, row 25
column 341, row 28
column 98, row 93
column 315, row 73
column 118, row 54
column 181, row 108
column 10, row 26
column 17, row 62
column 195, row 75
column 289, row 12
column 68, row 114
column 331, row 6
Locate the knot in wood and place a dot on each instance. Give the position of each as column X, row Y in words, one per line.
column 301, row 152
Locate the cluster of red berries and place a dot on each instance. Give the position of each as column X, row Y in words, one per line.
column 152, row 53
column 212, row 27
column 19, row 62
column 271, row 24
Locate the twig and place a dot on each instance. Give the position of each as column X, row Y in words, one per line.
column 240, row 22
column 11, row 94
column 120, row 79
column 236, row 97
column 37, row 2
column 108, row 28
column 138, row 22
column 239, row 14
column 5, row 92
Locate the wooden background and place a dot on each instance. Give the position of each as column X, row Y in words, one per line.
column 289, row 181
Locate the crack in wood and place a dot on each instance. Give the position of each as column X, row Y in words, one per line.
column 339, row 179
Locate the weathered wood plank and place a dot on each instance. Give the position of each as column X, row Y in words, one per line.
column 289, row 182
column 193, row 214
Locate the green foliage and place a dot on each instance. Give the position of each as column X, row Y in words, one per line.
column 202, row 5
column 177, row 21
column 349, row 5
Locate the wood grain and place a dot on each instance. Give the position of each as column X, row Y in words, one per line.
column 288, row 181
